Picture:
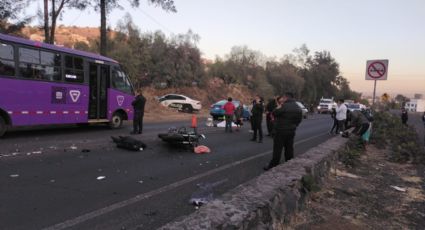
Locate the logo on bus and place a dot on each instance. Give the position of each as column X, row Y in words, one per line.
column 120, row 100
column 75, row 95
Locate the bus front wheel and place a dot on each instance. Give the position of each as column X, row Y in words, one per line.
column 3, row 126
column 116, row 121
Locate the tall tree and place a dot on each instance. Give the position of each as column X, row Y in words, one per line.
column 10, row 23
column 57, row 9
column 105, row 6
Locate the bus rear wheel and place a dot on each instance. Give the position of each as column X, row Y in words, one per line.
column 3, row 127
column 116, row 121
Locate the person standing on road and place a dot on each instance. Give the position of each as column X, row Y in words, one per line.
column 139, row 111
column 288, row 116
column 335, row 122
column 257, row 119
column 341, row 116
column 229, row 111
column 271, row 105
column 239, row 116
column 404, row 116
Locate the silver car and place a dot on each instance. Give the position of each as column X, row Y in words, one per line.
column 303, row 109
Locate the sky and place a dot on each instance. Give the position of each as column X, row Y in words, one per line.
column 353, row 31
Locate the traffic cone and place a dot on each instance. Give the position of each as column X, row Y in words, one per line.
column 194, row 121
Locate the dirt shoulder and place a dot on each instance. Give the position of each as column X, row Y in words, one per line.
column 376, row 194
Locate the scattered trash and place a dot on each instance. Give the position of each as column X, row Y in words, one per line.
column 345, row 174
column 85, row 150
column 400, row 189
column 101, row 177
column 201, row 149
column 205, row 193
column 129, row 143
column 14, row 175
column 140, row 182
column 73, row 147
column 223, row 124
column 151, row 213
column 382, row 165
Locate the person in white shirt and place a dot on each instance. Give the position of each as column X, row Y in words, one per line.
column 341, row 115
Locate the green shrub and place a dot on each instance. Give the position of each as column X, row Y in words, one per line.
column 401, row 140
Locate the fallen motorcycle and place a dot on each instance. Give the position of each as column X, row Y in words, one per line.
column 181, row 136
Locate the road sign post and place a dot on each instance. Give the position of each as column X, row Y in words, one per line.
column 376, row 70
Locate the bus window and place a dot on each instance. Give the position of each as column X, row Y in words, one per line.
column 120, row 81
column 7, row 65
column 40, row 65
column 52, row 63
column 74, row 69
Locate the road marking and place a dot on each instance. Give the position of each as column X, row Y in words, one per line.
column 143, row 196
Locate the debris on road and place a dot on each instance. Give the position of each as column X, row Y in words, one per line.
column 201, row 149
column 151, row 213
column 129, row 143
column 14, row 175
column 101, row 177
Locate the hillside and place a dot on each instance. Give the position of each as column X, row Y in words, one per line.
column 66, row 36
column 216, row 91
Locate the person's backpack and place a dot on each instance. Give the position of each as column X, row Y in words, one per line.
column 368, row 115
column 129, row 143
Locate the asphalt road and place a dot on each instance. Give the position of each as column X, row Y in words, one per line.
column 49, row 177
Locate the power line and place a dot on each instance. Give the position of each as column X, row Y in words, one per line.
column 156, row 21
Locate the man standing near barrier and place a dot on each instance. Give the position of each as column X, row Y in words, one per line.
column 288, row 116
column 341, row 116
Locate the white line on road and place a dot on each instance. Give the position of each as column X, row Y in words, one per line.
column 143, row 196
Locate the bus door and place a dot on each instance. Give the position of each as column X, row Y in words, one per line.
column 99, row 79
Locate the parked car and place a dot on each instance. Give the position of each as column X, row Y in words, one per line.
column 355, row 106
column 217, row 111
column 180, row 102
column 303, row 109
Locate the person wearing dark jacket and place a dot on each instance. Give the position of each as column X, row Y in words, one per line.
column 271, row 105
column 288, row 116
column 404, row 116
column 335, row 122
column 360, row 123
column 257, row 119
column 139, row 111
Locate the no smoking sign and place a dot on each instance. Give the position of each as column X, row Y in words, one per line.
column 376, row 69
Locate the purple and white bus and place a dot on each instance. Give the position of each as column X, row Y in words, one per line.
column 43, row 84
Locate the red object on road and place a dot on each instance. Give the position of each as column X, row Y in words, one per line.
column 201, row 149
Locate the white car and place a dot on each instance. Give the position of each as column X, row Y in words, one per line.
column 180, row 102
column 303, row 109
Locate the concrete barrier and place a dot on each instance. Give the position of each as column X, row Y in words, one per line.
column 270, row 200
